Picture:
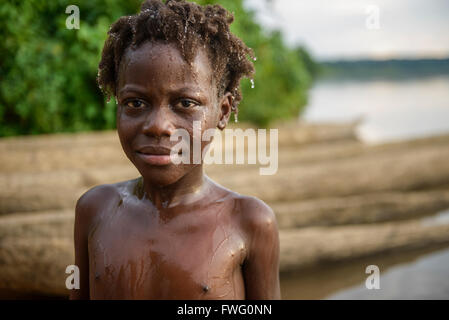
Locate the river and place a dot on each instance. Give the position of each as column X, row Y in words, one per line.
column 389, row 110
column 419, row 274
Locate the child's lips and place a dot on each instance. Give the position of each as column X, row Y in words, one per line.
column 155, row 155
column 155, row 159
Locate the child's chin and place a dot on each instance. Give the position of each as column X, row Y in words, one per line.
column 163, row 175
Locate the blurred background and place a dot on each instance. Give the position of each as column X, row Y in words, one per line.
column 359, row 91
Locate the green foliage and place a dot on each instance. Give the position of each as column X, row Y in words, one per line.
column 281, row 79
column 48, row 72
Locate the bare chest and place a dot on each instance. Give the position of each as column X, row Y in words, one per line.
column 133, row 258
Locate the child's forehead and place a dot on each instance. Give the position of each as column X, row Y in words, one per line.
column 159, row 59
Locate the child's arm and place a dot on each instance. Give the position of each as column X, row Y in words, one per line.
column 82, row 220
column 87, row 208
column 261, row 267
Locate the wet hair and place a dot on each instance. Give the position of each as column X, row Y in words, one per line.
column 188, row 26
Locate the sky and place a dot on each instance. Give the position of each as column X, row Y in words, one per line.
column 354, row 29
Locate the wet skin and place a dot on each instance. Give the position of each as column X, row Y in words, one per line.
column 172, row 233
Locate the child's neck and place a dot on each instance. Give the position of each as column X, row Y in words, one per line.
column 188, row 189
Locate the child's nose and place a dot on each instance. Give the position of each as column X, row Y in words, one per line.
column 158, row 123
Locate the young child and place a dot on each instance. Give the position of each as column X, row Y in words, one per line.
column 173, row 233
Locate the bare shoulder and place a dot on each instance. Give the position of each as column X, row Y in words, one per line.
column 261, row 263
column 253, row 214
column 97, row 199
column 256, row 215
column 259, row 226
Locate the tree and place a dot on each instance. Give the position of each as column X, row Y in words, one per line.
column 48, row 72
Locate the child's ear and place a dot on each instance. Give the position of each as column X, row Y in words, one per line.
column 225, row 109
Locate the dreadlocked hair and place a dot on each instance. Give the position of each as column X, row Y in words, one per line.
column 188, row 26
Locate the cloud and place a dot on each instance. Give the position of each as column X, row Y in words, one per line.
column 337, row 28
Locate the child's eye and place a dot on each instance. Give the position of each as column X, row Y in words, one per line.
column 186, row 103
column 135, row 104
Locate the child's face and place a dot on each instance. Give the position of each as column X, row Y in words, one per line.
column 159, row 92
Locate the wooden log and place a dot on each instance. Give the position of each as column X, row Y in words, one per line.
column 306, row 247
column 35, row 251
column 55, row 190
column 408, row 170
column 367, row 208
